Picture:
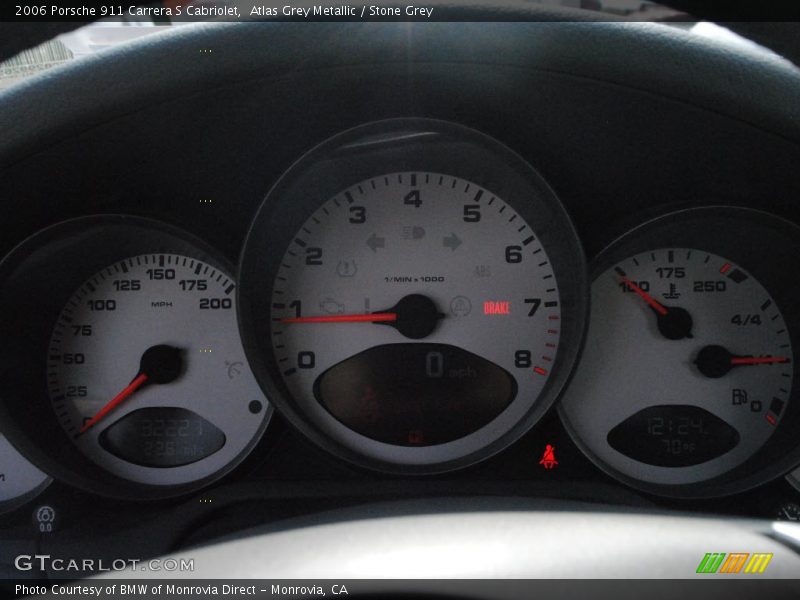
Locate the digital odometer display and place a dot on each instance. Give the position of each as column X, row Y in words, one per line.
column 162, row 437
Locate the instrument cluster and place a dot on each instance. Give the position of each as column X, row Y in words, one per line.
column 413, row 298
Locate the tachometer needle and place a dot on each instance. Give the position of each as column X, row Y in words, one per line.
column 654, row 304
column 159, row 364
column 384, row 317
column 415, row 316
column 134, row 385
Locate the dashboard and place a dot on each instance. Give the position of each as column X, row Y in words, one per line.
column 537, row 260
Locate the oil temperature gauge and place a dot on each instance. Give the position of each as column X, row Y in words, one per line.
column 688, row 369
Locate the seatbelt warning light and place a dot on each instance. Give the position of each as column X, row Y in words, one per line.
column 548, row 460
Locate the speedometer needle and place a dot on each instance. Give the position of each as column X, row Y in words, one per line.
column 159, row 364
column 134, row 385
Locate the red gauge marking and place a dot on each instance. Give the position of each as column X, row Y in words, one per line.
column 758, row 360
column 365, row 318
column 134, row 385
column 725, row 268
column 654, row 304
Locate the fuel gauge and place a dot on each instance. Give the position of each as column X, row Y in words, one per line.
column 688, row 369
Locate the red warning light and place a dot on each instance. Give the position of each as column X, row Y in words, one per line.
column 415, row 437
column 548, row 460
column 492, row 307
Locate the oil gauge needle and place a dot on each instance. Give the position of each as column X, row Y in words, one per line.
column 159, row 364
column 674, row 323
column 654, row 304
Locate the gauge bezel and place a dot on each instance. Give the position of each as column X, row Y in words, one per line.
column 399, row 146
column 719, row 229
column 44, row 271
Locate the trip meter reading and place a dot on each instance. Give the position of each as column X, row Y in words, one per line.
column 417, row 314
column 688, row 368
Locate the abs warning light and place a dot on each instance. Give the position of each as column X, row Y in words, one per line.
column 548, row 460
column 491, row 307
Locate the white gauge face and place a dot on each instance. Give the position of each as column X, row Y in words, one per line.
column 147, row 373
column 415, row 317
column 18, row 477
column 687, row 368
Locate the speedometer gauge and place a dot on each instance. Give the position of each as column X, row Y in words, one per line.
column 688, row 372
column 145, row 370
column 125, row 374
column 426, row 304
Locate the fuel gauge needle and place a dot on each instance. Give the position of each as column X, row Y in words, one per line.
column 716, row 361
column 159, row 364
column 758, row 360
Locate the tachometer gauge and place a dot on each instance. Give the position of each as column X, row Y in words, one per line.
column 416, row 292
column 144, row 388
column 688, row 370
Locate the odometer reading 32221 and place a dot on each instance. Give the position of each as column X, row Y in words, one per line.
column 415, row 308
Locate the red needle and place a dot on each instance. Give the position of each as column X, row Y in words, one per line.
column 762, row 360
column 656, row 306
column 365, row 318
column 134, row 385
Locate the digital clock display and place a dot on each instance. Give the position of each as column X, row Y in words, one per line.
column 673, row 436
